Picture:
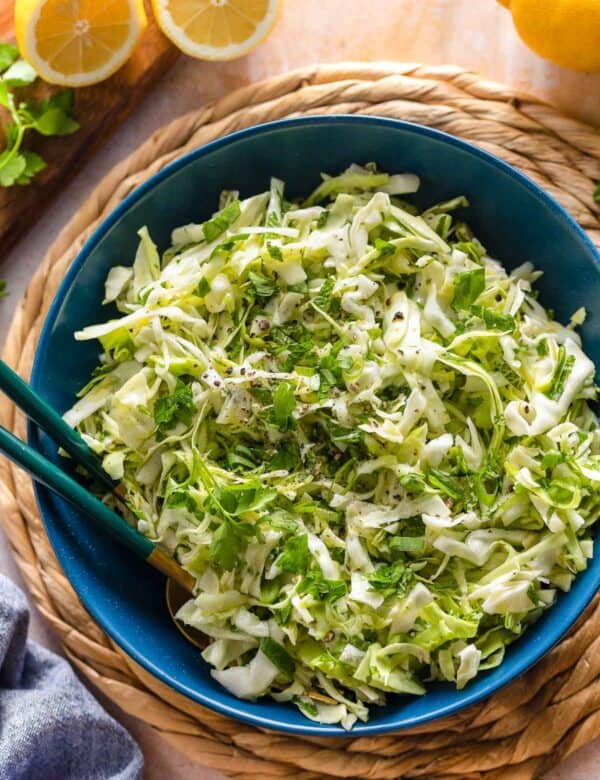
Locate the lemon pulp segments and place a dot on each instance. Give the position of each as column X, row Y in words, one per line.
column 216, row 29
column 78, row 42
column 75, row 37
column 219, row 24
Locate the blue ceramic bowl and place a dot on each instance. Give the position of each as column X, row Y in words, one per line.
column 514, row 219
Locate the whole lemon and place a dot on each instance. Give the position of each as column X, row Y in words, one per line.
column 566, row 32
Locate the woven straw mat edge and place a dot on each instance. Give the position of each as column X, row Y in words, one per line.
column 526, row 727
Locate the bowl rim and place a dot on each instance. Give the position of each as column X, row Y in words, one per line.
column 528, row 656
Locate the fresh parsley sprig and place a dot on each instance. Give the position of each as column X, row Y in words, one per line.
column 468, row 287
column 50, row 116
column 393, row 578
column 176, row 407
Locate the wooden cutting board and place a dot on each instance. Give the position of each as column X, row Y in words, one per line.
column 99, row 109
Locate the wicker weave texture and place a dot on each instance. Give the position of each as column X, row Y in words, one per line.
column 525, row 728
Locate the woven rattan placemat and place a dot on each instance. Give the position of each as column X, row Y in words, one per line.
column 526, row 727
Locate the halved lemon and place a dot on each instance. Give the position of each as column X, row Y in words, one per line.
column 78, row 42
column 216, row 29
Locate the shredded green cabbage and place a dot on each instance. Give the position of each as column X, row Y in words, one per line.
column 371, row 446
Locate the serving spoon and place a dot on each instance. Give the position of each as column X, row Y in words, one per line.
column 180, row 584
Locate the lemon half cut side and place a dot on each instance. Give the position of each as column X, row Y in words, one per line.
column 216, row 29
column 78, row 42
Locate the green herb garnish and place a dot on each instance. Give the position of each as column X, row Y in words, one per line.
column 468, row 287
column 50, row 116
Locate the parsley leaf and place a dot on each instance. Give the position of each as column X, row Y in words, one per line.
column 323, row 217
column 413, row 526
column 203, row 287
column 533, row 592
column 54, row 121
column 243, row 458
column 264, row 286
column 236, row 499
column 298, row 342
column 270, row 591
column 493, row 320
column 322, row 588
column 181, row 499
column 332, row 366
column 214, row 227
column 487, row 483
column 33, row 164
column 323, row 299
column 283, row 614
column 468, row 287
column 391, row 578
column 287, row 456
column 8, row 55
column 552, row 458
column 11, row 167
column 385, row 248
column 174, row 408
column 3, row 291
column 338, row 554
column 274, row 251
column 227, row 545
column 284, row 403
column 306, row 706
column 51, row 116
column 295, row 557
column 230, row 539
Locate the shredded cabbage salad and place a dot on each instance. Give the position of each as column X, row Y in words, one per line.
column 369, row 443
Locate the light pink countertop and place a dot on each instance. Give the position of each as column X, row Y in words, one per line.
column 474, row 33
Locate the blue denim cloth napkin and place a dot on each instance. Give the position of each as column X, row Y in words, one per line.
column 51, row 727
